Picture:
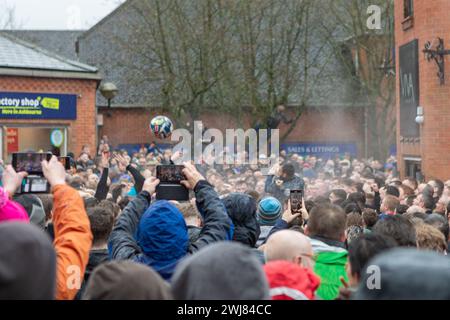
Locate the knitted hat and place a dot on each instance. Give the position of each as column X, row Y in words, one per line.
column 269, row 210
column 126, row 280
column 224, row 270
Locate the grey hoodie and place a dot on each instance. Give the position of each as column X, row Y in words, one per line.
column 34, row 207
column 406, row 274
column 27, row 263
column 221, row 271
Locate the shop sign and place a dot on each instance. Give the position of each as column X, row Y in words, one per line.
column 322, row 150
column 19, row 105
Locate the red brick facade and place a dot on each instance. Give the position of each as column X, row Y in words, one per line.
column 431, row 19
column 81, row 131
column 130, row 126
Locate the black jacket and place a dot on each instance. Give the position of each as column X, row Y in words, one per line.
column 241, row 209
column 282, row 192
column 123, row 244
column 275, row 118
column 96, row 257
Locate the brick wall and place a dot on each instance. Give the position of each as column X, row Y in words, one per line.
column 431, row 20
column 80, row 132
column 130, row 126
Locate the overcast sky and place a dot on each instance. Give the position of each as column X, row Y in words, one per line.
column 58, row 14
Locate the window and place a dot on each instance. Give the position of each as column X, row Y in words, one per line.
column 413, row 168
column 408, row 8
column 408, row 13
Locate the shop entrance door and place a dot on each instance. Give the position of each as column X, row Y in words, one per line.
column 33, row 139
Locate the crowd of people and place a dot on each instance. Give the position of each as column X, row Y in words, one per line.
column 101, row 234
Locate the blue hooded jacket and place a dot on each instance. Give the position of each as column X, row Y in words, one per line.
column 163, row 238
column 156, row 235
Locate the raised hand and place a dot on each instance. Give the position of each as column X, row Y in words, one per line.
column 12, row 180
column 150, row 185
column 104, row 163
column 122, row 162
column 176, row 156
column 192, row 176
column 54, row 171
column 288, row 216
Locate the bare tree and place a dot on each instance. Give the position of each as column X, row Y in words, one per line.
column 369, row 61
column 8, row 20
column 235, row 56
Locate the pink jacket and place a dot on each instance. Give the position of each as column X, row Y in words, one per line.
column 10, row 210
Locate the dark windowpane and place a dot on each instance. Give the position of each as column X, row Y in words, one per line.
column 408, row 8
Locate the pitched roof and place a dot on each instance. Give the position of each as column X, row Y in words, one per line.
column 61, row 42
column 18, row 54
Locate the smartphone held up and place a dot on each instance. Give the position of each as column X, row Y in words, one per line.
column 170, row 187
column 31, row 163
column 296, row 201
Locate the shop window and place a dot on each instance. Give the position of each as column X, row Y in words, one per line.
column 413, row 168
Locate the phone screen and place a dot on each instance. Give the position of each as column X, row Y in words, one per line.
column 34, row 185
column 29, row 162
column 296, row 198
column 170, row 173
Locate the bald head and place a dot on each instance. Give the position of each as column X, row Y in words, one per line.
column 291, row 246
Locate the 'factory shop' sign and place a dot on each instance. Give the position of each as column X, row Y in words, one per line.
column 18, row 105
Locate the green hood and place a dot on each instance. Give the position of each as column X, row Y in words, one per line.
column 330, row 266
column 334, row 258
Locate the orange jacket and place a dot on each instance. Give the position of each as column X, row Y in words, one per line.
column 73, row 240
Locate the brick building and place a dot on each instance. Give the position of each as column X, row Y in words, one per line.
column 423, row 129
column 43, row 95
column 334, row 127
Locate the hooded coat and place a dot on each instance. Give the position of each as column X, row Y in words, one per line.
column 282, row 192
column 10, row 210
column 289, row 281
column 34, row 208
column 241, row 208
column 406, row 274
column 330, row 256
column 330, row 267
column 73, row 239
column 126, row 280
column 27, row 263
column 222, row 271
column 156, row 235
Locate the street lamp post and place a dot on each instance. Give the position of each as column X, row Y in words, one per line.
column 109, row 91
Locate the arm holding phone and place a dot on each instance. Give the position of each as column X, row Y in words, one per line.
column 12, row 180
column 9, row 210
column 216, row 223
column 288, row 217
column 73, row 237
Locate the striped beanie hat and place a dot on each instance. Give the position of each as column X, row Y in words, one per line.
column 269, row 210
